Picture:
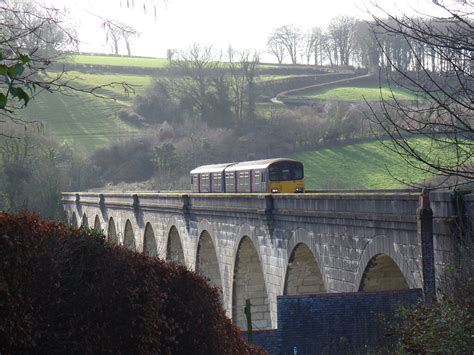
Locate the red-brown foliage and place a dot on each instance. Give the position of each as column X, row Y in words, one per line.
column 69, row 291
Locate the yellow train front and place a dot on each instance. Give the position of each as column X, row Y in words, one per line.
column 269, row 175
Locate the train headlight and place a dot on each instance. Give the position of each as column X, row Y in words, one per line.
column 275, row 190
column 299, row 189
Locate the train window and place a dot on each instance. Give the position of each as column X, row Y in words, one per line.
column 286, row 171
column 275, row 175
column 298, row 174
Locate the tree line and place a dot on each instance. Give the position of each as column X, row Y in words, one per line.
column 380, row 42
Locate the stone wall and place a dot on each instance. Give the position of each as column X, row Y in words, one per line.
column 444, row 219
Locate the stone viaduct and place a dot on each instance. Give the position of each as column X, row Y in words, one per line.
column 260, row 246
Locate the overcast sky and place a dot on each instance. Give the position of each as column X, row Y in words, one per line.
column 244, row 24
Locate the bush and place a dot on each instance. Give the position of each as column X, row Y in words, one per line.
column 69, row 291
column 131, row 117
column 446, row 327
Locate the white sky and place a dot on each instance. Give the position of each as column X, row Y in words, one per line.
column 244, row 24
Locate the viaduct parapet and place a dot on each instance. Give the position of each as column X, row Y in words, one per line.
column 260, row 246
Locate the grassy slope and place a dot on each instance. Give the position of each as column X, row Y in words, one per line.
column 82, row 121
column 88, row 79
column 358, row 93
column 118, row 61
column 356, row 166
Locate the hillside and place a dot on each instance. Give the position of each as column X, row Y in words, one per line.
column 351, row 93
column 87, row 123
column 357, row 166
column 83, row 121
column 142, row 62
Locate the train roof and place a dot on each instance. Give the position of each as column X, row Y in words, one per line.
column 244, row 165
column 257, row 164
column 214, row 168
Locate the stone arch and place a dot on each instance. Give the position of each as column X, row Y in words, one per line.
column 85, row 221
column 74, row 220
column 205, row 226
column 149, row 241
column 302, row 236
column 174, row 247
column 384, row 245
column 249, row 283
column 207, row 263
column 129, row 236
column 112, row 236
column 303, row 276
column 382, row 274
column 97, row 224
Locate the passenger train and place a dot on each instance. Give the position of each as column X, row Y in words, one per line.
column 269, row 175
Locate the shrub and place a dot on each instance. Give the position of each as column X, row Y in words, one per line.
column 67, row 290
column 446, row 327
column 131, row 117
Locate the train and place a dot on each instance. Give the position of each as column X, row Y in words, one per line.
column 279, row 175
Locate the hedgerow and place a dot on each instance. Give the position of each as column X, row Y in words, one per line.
column 66, row 290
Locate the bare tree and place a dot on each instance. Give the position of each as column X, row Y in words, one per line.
column 366, row 52
column 341, row 33
column 170, row 54
column 441, row 76
column 309, row 44
column 318, row 53
column 116, row 31
column 31, row 40
column 39, row 30
column 201, row 86
column 128, row 34
column 289, row 37
column 276, row 48
column 112, row 37
column 242, row 83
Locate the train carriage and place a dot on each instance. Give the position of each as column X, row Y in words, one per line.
column 209, row 178
column 269, row 175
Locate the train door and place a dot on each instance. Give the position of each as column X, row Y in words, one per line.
column 256, row 181
column 204, row 183
column 264, row 181
column 195, row 182
column 216, row 182
column 243, row 182
column 230, row 185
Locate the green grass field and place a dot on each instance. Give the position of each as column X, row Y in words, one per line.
column 357, row 166
column 112, row 85
column 359, row 93
column 82, row 121
column 265, row 77
column 123, row 61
